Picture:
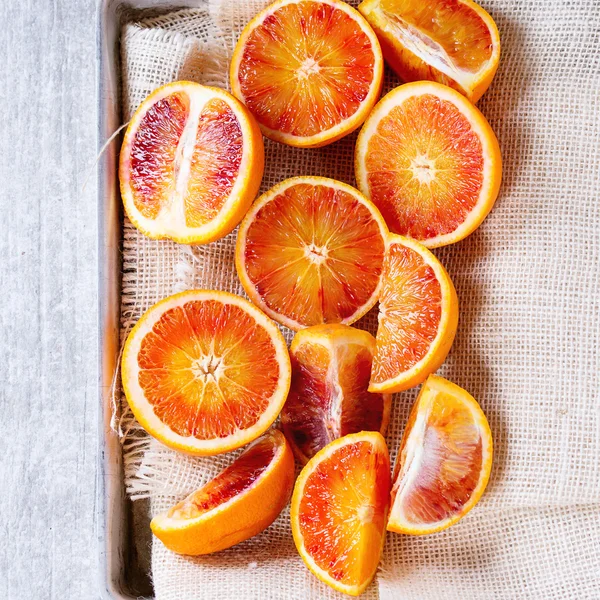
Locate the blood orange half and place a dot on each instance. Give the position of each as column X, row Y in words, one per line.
column 329, row 397
column 191, row 163
column 310, row 251
column 310, row 71
column 444, row 461
column 238, row 503
column 339, row 508
column 205, row 372
column 454, row 42
column 430, row 162
column 418, row 317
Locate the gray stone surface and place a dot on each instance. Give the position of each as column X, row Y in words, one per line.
column 48, row 291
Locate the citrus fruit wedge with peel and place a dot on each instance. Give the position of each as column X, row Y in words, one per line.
column 430, row 162
column 454, row 42
column 310, row 251
column 191, row 163
column 329, row 397
column 339, row 509
column 237, row 504
column 310, row 71
column 418, row 317
column 205, row 372
column 444, row 461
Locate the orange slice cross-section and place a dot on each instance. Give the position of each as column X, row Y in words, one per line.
column 454, row 42
column 444, row 461
column 238, row 503
column 191, row 163
column 339, row 508
column 309, row 71
column 430, row 162
column 205, row 372
column 310, row 251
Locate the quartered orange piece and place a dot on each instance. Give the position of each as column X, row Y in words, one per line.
column 191, row 163
column 444, row 461
column 454, row 42
column 237, row 504
column 418, row 317
column 310, row 251
column 329, row 397
column 339, row 508
column 430, row 162
column 205, row 371
column 309, row 71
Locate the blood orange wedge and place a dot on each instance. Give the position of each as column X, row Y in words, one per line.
column 238, row 503
column 331, row 367
column 339, row 507
column 310, row 251
column 444, row 461
column 310, row 71
column 430, row 162
column 205, row 372
column 454, row 42
column 191, row 163
column 418, row 317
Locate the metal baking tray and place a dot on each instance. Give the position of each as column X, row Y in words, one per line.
column 122, row 577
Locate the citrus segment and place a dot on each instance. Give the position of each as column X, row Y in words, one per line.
column 331, row 367
column 430, row 162
column 309, row 71
column 418, row 317
column 444, row 461
column 310, row 251
column 454, row 42
column 338, row 511
column 237, row 504
column 205, row 371
column 191, row 163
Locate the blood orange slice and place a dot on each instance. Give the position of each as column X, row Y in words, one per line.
column 205, row 372
column 310, row 251
column 331, row 367
column 444, row 461
column 339, row 507
column 237, row 504
column 310, row 71
column 454, row 42
column 430, row 162
column 418, row 317
column 191, row 163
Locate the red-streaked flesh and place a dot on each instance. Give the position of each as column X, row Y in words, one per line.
column 208, row 369
column 343, row 509
column 306, row 68
column 447, row 468
column 424, row 167
column 328, row 397
column 160, row 150
column 231, row 482
column 314, row 254
column 410, row 307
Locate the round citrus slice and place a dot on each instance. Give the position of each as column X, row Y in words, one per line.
column 205, row 372
column 418, row 317
column 444, row 461
column 310, row 71
column 339, row 507
column 454, row 42
column 430, row 162
column 191, row 163
column 310, row 251
column 237, row 504
column 328, row 399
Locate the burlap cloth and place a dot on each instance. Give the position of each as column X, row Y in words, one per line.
column 527, row 343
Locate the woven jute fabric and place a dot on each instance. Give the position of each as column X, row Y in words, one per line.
column 527, row 345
